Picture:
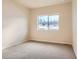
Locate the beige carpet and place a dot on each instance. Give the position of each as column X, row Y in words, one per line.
column 33, row 50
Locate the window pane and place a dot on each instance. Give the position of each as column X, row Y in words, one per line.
column 43, row 22
column 54, row 22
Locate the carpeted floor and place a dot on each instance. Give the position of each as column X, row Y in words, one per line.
column 34, row 50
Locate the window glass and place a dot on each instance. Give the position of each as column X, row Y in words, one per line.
column 54, row 22
column 43, row 22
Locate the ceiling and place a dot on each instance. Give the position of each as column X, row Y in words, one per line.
column 40, row 3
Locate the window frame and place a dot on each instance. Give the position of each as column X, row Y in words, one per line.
column 48, row 22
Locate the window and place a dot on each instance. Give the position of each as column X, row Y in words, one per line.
column 48, row 22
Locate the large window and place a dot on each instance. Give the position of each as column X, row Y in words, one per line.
column 48, row 22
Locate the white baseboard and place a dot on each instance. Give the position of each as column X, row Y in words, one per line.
column 10, row 45
column 52, row 41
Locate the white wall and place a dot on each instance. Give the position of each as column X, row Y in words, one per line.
column 15, row 23
column 64, row 34
column 74, row 23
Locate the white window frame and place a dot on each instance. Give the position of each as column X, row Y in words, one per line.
column 49, row 27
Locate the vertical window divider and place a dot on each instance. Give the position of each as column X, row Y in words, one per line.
column 48, row 22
